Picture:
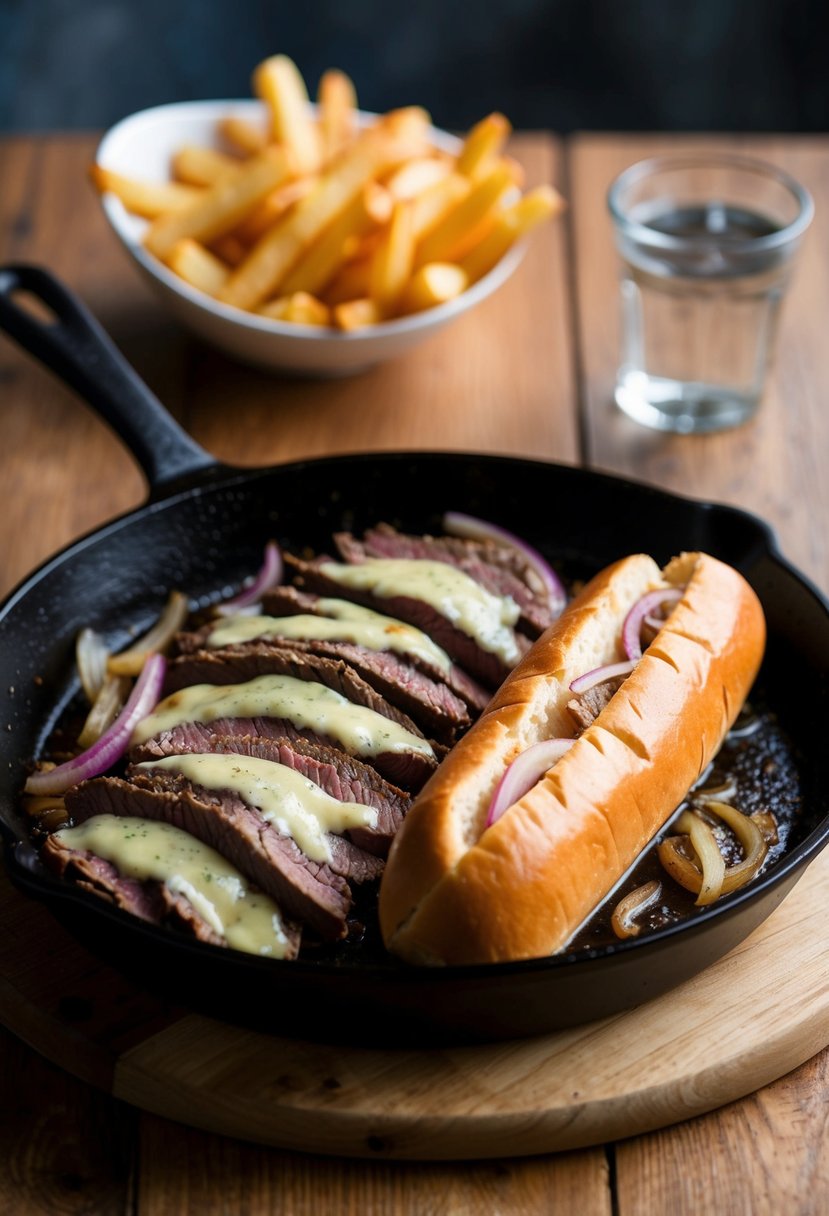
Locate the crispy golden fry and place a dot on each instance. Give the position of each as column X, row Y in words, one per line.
column 410, row 122
column 483, row 144
column 198, row 266
column 435, row 203
column 148, row 199
column 356, row 314
column 514, row 222
column 262, row 274
column 454, row 235
column 221, row 207
column 278, row 82
column 301, row 308
column 321, row 261
column 337, row 99
column 516, row 171
column 243, row 136
column 393, row 263
column 433, row 284
column 411, row 179
column 273, row 208
column 202, row 166
column 351, row 283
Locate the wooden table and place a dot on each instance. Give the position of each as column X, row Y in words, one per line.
column 528, row 373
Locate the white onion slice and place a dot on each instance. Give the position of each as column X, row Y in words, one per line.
column 471, row 528
column 91, row 656
column 525, row 771
column 599, row 674
column 112, row 743
column 131, row 662
column 632, row 627
column 269, row 576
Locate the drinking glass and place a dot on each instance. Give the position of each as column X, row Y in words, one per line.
column 707, row 246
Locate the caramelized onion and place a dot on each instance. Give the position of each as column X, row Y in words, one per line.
column 106, row 708
column 623, row 920
column 706, row 885
column 703, row 794
column 130, row 662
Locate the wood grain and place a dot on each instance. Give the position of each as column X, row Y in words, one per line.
column 765, row 465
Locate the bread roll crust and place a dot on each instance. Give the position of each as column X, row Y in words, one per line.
column 457, row 892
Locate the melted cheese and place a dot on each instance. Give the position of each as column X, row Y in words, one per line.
column 296, row 806
column 142, row 849
column 358, row 730
column 486, row 618
column 340, row 622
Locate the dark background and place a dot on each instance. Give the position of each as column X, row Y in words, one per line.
column 564, row 64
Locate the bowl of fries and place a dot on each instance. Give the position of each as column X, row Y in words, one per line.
column 317, row 239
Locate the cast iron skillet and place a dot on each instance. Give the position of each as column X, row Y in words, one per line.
column 203, row 529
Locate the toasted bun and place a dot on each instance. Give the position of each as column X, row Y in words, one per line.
column 455, row 891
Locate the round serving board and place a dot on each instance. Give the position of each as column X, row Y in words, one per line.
column 748, row 1019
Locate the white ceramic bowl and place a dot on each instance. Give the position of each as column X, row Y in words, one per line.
column 141, row 146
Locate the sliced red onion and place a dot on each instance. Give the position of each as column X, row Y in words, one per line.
column 632, row 628
column 525, row 771
column 269, row 576
column 113, row 742
column 471, row 528
column 599, row 674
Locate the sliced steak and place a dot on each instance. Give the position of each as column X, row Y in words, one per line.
column 311, row 892
column 149, row 901
column 410, row 770
column 341, row 776
column 500, row 569
column 431, row 705
column 484, row 666
column 289, row 601
column 238, row 664
column 585, row 707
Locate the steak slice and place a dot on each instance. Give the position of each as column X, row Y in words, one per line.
column 500, row 569
column 489, row 668
column 308, row 891
column 238, row 664
column 342, row 776
column 432, row 705
column 149, row 901
column 290, row 601
column 585, row 707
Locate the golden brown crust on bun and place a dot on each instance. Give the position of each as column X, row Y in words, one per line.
column 455, row 891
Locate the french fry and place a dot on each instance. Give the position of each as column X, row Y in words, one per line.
column 147, row 199
column 301, row 308
column 393, row 263
column 454, row 235
column 415, row 176
column 514, row 222
column 221, row 207
column 482, row 145
column 197, row 266
column 435, row 283
column 278, row 82
column 337, row 99
column 321, row 261
column 351, row 283
column 273, row 208
column 410, row 123
column 243, row 136
column 355, row 314
column 261, row 274
column 202, row 166
column 431, row 207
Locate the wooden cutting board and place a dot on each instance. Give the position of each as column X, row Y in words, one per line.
column 748, row 1019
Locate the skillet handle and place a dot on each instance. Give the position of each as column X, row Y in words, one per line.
column 82, row 354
